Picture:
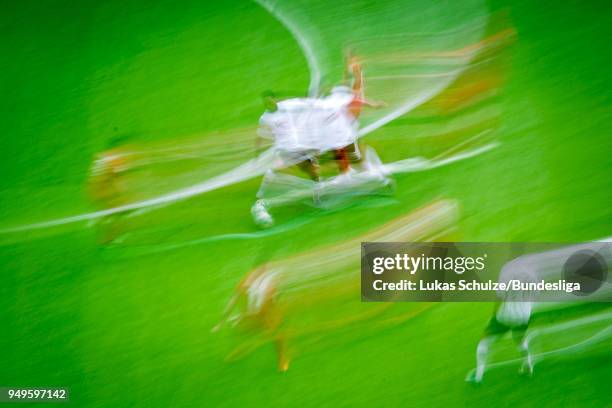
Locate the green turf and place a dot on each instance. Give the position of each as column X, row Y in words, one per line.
column 130, row 326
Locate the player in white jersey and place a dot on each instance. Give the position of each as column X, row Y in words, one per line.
column 510, row 315
column 289, row 125
column 304, row 128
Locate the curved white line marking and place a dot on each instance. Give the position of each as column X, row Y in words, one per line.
column 311, row 57
column 414, row 101
column 246, row 171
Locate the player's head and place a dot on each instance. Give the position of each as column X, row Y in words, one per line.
column 269, row 100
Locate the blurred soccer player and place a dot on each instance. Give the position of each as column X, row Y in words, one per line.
column 274, row 297
column 283, row 122
column 107, row 186
column 302, row 129
column 510, row 317
column 256, row 294
column 286, row 124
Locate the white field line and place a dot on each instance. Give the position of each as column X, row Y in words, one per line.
column 244, row 172
column 421, row 164
column 410, row 104
column 454, row 73
column 463, row 143
column 311, row 57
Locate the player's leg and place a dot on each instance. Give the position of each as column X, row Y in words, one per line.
column 113, row 228
column 271, row 318
column 518, row 334
column 353, row 152
column 259, row 210
column 310, row 166
column 482, row 354
column 282, row 353
column 342, row 159
column 268, row 178
column 494, row 331
column 261, row 215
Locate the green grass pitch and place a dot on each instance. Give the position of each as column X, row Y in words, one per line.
column 130, row 326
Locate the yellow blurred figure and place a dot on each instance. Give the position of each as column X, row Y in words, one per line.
column 316, row 291
column 107, row 187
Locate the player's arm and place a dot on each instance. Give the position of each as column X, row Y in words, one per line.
column 231, row 305
column 353, row 69
column 372, row 103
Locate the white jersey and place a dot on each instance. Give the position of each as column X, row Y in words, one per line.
column 308, row 124
column 517, row 305
column 339, row 128
column 290, row 125
column 515, row 313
